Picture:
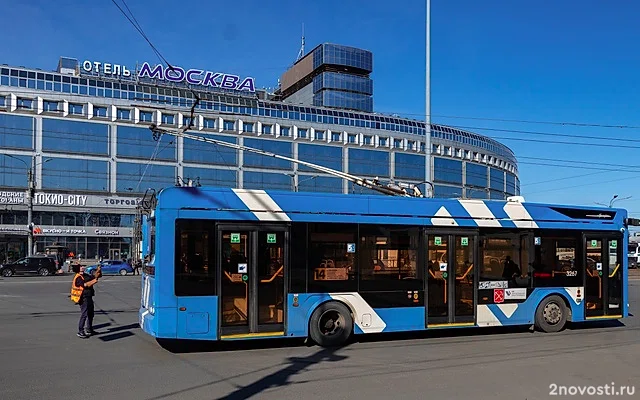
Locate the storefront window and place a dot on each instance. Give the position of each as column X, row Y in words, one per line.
column 88, row 248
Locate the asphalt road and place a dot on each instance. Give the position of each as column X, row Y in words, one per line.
column 41, row 358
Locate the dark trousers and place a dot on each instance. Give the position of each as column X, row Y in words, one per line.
column 86, row 314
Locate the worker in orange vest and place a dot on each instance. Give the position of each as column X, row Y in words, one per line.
column 82, row 293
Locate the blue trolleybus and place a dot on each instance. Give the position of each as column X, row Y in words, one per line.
column 232, row 264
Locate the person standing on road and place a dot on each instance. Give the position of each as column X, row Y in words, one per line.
column 137, row 266
column 82, row 293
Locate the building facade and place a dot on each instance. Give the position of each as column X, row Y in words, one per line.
column 83, row 131
column 331, row 76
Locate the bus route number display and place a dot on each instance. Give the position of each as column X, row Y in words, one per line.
column 330, row 274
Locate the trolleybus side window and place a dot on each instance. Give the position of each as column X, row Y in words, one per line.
column 557, row 261
column 194, row 258
column 505, row 258
column 298, row 266
column 389, row 258
column 332, row 257
column 148, row 263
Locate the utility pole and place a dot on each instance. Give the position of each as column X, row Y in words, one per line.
column 30, row 193
column 427, row 103
column 31, row 187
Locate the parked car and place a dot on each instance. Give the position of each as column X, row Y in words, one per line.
column 41, row 265
column 111, row 267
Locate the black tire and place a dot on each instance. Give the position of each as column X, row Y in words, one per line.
column 123, row 272
column 331, row 324
column 7, row 272
column 551, row 315
column 43, row 272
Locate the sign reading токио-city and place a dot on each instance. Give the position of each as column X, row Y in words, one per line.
column 175, row 74
column 68, row 200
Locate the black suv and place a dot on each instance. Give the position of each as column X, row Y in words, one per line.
column 30, row 265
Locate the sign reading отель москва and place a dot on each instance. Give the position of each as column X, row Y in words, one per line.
column 175, row 74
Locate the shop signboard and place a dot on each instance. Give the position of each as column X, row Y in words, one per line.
column 69, row 200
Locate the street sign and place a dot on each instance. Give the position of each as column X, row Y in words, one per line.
column 271, row 237
column 437, row 240
column 235, row 238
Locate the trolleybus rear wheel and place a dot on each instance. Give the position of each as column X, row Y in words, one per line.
column 331, row 324
column 551, row 315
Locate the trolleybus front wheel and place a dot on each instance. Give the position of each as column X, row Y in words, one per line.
column 551, row 315
column 331, row 324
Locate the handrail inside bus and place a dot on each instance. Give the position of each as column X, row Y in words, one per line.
column 614, row 271
column 273, row 277
column 466, row 273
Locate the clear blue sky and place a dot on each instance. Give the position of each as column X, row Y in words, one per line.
column 564, row 61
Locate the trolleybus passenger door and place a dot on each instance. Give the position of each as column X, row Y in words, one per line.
column 252, row 290
column 451, row 277
column 603, row 277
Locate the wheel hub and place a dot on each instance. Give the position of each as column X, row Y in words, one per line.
column 552, row 313
column 331, row 323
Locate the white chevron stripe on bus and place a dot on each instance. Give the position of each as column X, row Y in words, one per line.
column 519, row 215
column 365, row 317
column 480, row 213
column 443, row 218
column 261, row 205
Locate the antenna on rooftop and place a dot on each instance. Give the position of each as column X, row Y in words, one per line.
column 301, row 52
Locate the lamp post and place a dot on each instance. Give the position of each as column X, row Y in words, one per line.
column 427, row 105
column 31, row 188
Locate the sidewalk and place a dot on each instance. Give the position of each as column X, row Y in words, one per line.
column 634, row 274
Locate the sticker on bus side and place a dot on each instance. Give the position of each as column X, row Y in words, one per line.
column 498, row 295
column 493, row 285
column 515, row 294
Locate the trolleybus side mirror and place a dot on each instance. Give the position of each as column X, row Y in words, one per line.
column 632, row 221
